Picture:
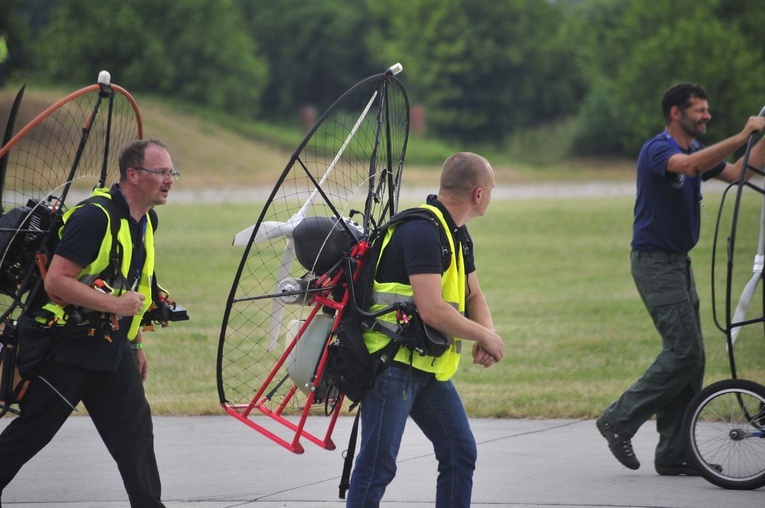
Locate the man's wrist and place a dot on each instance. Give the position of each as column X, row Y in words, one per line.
column 137, row 346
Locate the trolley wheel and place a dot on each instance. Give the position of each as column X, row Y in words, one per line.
column 724, row 427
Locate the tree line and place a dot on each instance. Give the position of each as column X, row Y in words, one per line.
column 483, row 70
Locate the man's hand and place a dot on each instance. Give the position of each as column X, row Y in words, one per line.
column 481, row 357
column 491, row 345
column 754, row 124
column 129, row 303
column 143, row 364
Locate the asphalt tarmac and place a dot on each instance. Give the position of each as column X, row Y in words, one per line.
column 218, row 462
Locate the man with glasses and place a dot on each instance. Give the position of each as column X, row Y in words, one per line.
column 86, row 329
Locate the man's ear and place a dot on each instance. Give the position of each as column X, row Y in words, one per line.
column 131, row 175
column 675, row 113
column 477, row 194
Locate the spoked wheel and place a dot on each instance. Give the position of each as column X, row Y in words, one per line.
column 724, row 427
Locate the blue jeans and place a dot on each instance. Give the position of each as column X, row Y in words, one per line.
column 436, row 408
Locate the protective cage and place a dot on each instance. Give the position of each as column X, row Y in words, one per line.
column 66, row 150
column 724, row 425
column 289, row 291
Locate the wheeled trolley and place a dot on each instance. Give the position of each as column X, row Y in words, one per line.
column 724, row 424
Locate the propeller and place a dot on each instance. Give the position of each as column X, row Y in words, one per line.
column 274, row 229
column 748, row 293
column 9, row 128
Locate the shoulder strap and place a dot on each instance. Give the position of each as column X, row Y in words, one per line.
column 115, row 255
column 412, row 213
column 427, row 215
column 154, row 219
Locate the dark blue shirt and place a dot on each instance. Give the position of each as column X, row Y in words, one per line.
column 668, row 205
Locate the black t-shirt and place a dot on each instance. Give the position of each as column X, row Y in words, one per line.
column 81, row 241
column 415, row 248
column 83, row 234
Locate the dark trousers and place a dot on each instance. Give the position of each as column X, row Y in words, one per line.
column 666, row 285
column 118, row 407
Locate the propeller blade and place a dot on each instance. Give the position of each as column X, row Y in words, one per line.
column 268, row 231
column 9, row 128
column 277, row 309
column 743, row 303
column 274, row 229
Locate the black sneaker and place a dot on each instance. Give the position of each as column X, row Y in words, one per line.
column 620, row 446
column 684, row 468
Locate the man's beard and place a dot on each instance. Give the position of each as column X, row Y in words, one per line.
column 694, row 129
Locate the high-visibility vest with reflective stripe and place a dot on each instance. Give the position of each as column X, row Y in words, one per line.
column 453, row 289
column 91, row 272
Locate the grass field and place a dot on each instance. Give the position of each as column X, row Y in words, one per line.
column 556, row 274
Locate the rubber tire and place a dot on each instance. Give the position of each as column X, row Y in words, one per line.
column 702, row 437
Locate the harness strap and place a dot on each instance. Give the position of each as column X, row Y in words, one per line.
column 42, row 260
column 345, row 479
column 116, row 252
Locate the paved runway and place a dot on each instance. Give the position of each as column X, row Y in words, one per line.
column 218, row 462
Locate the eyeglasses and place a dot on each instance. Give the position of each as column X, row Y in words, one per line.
column 163, row 173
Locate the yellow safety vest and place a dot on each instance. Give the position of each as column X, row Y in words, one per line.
column 90, row 273
column 453, row 289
